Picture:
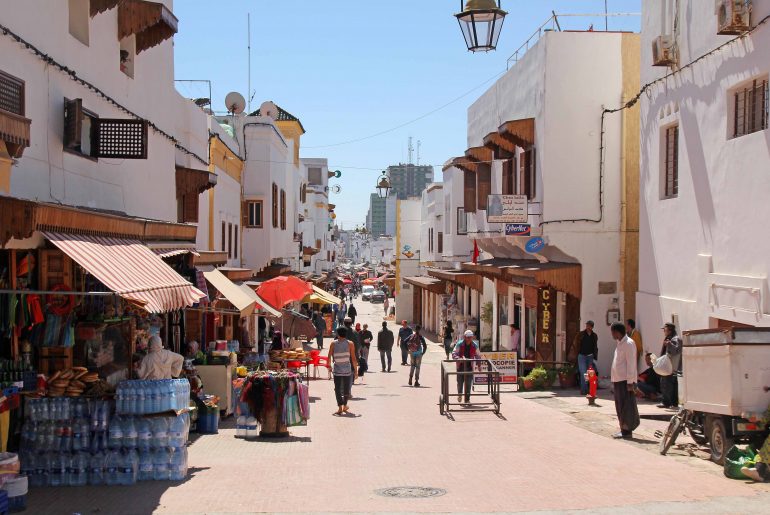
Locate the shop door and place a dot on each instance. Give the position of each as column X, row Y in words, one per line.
column 503, row 330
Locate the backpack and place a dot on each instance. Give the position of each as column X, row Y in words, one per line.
column 415, row 345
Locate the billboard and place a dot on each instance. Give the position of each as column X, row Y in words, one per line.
column 509, row 209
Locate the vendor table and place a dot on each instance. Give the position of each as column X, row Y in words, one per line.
column 305, row 361
column 218, row 380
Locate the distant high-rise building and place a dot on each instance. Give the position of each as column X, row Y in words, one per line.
column 380, row 220
column 409, row 180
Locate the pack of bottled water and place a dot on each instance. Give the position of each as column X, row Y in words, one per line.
column 141, row 397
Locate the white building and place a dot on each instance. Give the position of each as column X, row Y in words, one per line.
column 407, row 254
column 432, row 226
column 536, row 134
column 704, row 184
column 315, row 211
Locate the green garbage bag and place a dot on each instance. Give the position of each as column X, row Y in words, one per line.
column 737, row 458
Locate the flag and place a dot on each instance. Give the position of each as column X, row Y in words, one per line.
column 475, row 252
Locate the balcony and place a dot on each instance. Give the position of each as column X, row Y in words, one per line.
column 14, row 127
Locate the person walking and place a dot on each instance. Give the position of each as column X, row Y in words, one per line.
column 365, row 336
column 403, row 335
column 385, row 345
column 669, row 387
column 465, row 350
column 587, row 342
column 353, row 336
column 623, row 377
column 386, row 304
column 448, row 342
column 417, row 348
column 352, row 312
column 342, row 312
column 342, row 353
column 320, row 326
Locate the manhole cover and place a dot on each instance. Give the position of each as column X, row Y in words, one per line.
column 411, row 492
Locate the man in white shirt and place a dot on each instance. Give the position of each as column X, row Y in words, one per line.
column 623, row 376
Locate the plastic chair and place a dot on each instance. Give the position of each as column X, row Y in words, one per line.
column 323, row 361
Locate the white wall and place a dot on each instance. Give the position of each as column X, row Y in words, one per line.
column 432, row 217
column 704, row 254
column 407, row 239
column 142, row 187
column 457, row 247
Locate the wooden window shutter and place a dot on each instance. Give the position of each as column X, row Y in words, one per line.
column 507, row 190
column 121, row 139
column 469, row 191
column 532, row 174
column 73, row 123
column 244, row 214
column 190, row 208
column 484, row 185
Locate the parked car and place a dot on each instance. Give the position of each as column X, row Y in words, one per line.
column 366, row 292
column 378, row 297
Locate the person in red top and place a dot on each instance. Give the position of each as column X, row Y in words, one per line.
column 467, row 349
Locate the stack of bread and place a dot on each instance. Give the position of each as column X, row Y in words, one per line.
column 71, row 382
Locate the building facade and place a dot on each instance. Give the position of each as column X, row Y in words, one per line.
column 704, row 156
column 408, row 180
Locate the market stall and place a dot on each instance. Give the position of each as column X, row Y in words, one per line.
column 276, row 401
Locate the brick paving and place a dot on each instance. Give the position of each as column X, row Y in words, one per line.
column 536, row 458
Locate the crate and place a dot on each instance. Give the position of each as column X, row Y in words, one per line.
column 52, row 359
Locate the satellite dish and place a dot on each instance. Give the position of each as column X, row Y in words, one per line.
column 336, row 188
column 268, row 109
column 235, row 102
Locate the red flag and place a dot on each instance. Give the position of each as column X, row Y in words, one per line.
column 475, row 252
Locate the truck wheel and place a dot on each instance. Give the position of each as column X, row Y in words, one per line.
column 719, row 442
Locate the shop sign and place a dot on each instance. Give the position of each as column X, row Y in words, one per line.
column 546, row 322
column 517, row 229
column 507, row 209
column 534, row 245
column 505, row 362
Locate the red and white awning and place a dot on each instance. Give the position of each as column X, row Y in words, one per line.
column 130, row 269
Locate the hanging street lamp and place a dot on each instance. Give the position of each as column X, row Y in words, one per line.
column 481, row 22
column 383, row 186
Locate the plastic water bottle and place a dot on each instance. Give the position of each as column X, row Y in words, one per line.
column 141, row 398
column 178, row 467
column 145, row 472
column 77, row 436
column 240, row 427
column 160, row 432
column 65, row 435
column 79, row 469
column 143, row 434
column 96, row 474
column 49, row 436
column 85, row 435
column 129, row 433
column 36, row 469
column 66, row 408
column 43, row 466
column 116, row 434
column 130, row 467
column 251, row 428
column 160, row 464
column 176, row 433
column 59, row 466
column 112, row 465
column 172, row 396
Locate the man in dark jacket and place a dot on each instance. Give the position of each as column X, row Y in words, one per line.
column 352, row 313
column 417, row 348
column 669, row 387
column 403, row 335
column 587, row 343
column 385, row 345
column 320, row 326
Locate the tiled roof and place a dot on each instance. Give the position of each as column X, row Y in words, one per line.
column 283, row 116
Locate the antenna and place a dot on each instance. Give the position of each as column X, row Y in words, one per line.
column 248, row 44
column 235, row 102
column 419, row 144
column 410, row 151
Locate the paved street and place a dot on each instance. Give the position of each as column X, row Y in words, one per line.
column 540, row 457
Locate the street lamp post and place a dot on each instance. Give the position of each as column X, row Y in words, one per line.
column 481, row 22
column 383, row 186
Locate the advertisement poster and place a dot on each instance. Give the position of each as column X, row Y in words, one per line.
column 510, row 209
column 507, row 364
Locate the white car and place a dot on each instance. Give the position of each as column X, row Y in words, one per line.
column 366, row 292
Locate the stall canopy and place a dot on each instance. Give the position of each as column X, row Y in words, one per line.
column 261, row 304
column 229, row 290
column 320, row 296
column 130, row 269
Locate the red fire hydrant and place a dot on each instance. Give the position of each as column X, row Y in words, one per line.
column 593, row 383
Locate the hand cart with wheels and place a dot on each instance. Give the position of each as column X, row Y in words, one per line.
column 726, row 374
column 485, row 383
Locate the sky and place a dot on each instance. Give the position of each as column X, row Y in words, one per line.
column 374, row 72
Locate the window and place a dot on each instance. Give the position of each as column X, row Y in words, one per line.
column 315, row 176
column 750, row 108
column 235, row 241
column 671, row 162
column 79, row 16
column 187, row 208
column 254, row 213
column 275, row 205
column 483, row 184
column 229, row 241
column 509, row 177
column 430, row 240
column 527, row 175
column 87, row 134
column 79, row 128
column 469, row 191
column 11, row 94
column 224, row 239
column 283, row 210
column 462, row 221
column 440, row 243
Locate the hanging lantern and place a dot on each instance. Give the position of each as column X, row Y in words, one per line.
column 383, row 186
column 481, row 22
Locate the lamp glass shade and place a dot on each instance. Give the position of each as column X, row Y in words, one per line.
column 383, row 187
column 481, row 23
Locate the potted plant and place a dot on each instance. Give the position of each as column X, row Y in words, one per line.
column 567, row 377
column 538, row 378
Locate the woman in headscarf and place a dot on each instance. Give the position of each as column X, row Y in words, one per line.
column 160, row 363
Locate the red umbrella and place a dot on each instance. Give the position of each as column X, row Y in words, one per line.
column 346, row 281
column 283, row 290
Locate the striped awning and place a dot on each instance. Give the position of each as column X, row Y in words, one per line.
column 167, row 253
column 229, row 290
column 130, row 269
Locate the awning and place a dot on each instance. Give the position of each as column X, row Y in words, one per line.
column 494, row 141
column 520, row 132
column 566, row 277
column 427, row 283
column 152, row 22
column 327, row 297
column 230, row 291
column 130, row 269
column 99, row 6
column 193, row 181
column 467, row 279
column 483, row 154
column 464, row 163
column 14, row 130
column 169, row 253
column 170, row 249
column 261, row 304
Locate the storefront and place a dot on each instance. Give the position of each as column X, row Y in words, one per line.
column 462, row 298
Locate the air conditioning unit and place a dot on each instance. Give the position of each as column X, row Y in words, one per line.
column 663, row 51
column 733, row 17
